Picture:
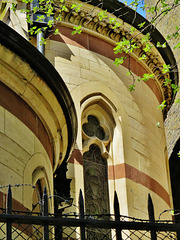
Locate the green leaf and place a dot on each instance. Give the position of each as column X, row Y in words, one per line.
column 143, row 57
column 131, row 87
column 158, row 124
column 129, row 73
column 50, row 23
column 132, row 30
column 178, row 100
column 14, row 6
column 141, row 25
column 35, row 9
column 76, row 7
column 112, row 20
column 77, row 29
column 42, row 41
column 167, row 81
column 175, row 88
column 27, row 1
column 148, row 47
column 147, row 76
column 102, row 15
column 64, row 8
column 146, row 38
column 169, row 37
column 162, row 105
column 166, row 68
column 177, row 46
column 159, row 45
column 40, row 18
column 32, row 30
column 119, row 61
column 28, row 19
column 117, row 24
column 56, row 32
column 39, row 30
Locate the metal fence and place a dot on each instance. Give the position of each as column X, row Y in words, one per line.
column 25, row 225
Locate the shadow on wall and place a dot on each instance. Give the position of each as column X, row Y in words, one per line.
column 174, row 165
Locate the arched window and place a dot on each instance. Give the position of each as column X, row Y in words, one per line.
column 96, row 136
column 96, row 140
column 95, row 182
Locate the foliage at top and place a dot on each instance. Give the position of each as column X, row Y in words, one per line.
column 45, row 9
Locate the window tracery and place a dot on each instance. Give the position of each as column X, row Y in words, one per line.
column 93, row 128
column 95, row 182
column 95, row 139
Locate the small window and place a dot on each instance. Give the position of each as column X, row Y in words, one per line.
column 93, row 128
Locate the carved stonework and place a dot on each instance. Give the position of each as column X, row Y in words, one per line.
column 95, row 181
column 93, row 128
column 87, row 18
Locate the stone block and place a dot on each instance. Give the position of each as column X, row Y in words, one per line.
column 11, row 162
column 62, row 67
column 88, row 55
column 13, row 148
column 92, row 76
column 19, row 133
column 136, row 125
column 100, row 68
column 81, row 62
column 50, row 55
column 139, row 147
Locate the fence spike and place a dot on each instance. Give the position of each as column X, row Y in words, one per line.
column 116, row 207
column 9, row 200
column 150, row 208
column 81, row 214
column 151, row 217
column 9, row 211
column 117, row 216
column 45, row 213
column 81, row 204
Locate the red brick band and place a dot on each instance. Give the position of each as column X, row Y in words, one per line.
column 76, row 157
column 20, row 109
column 124, row 170
column 92, row 43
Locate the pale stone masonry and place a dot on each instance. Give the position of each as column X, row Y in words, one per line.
column 133, row 148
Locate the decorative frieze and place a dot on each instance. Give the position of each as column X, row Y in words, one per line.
column 88, row 19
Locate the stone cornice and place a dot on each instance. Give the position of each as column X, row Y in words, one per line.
column 87, row 18
column 30, row 56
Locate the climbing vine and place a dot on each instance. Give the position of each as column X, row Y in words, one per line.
column 51, row 11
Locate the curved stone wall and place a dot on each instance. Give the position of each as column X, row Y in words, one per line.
column 36, row 125
column 137, row 145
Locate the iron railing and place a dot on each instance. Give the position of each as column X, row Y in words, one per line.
column 26, row 225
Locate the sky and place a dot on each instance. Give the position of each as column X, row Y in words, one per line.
column 139, row 10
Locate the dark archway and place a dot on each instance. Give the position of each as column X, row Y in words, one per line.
column 174, row 165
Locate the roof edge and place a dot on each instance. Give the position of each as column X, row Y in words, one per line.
column 120, row 10
column 19, row 45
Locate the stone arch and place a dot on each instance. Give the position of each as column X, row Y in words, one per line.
column 38, row 167
column 89, row 93
column 112, row 146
